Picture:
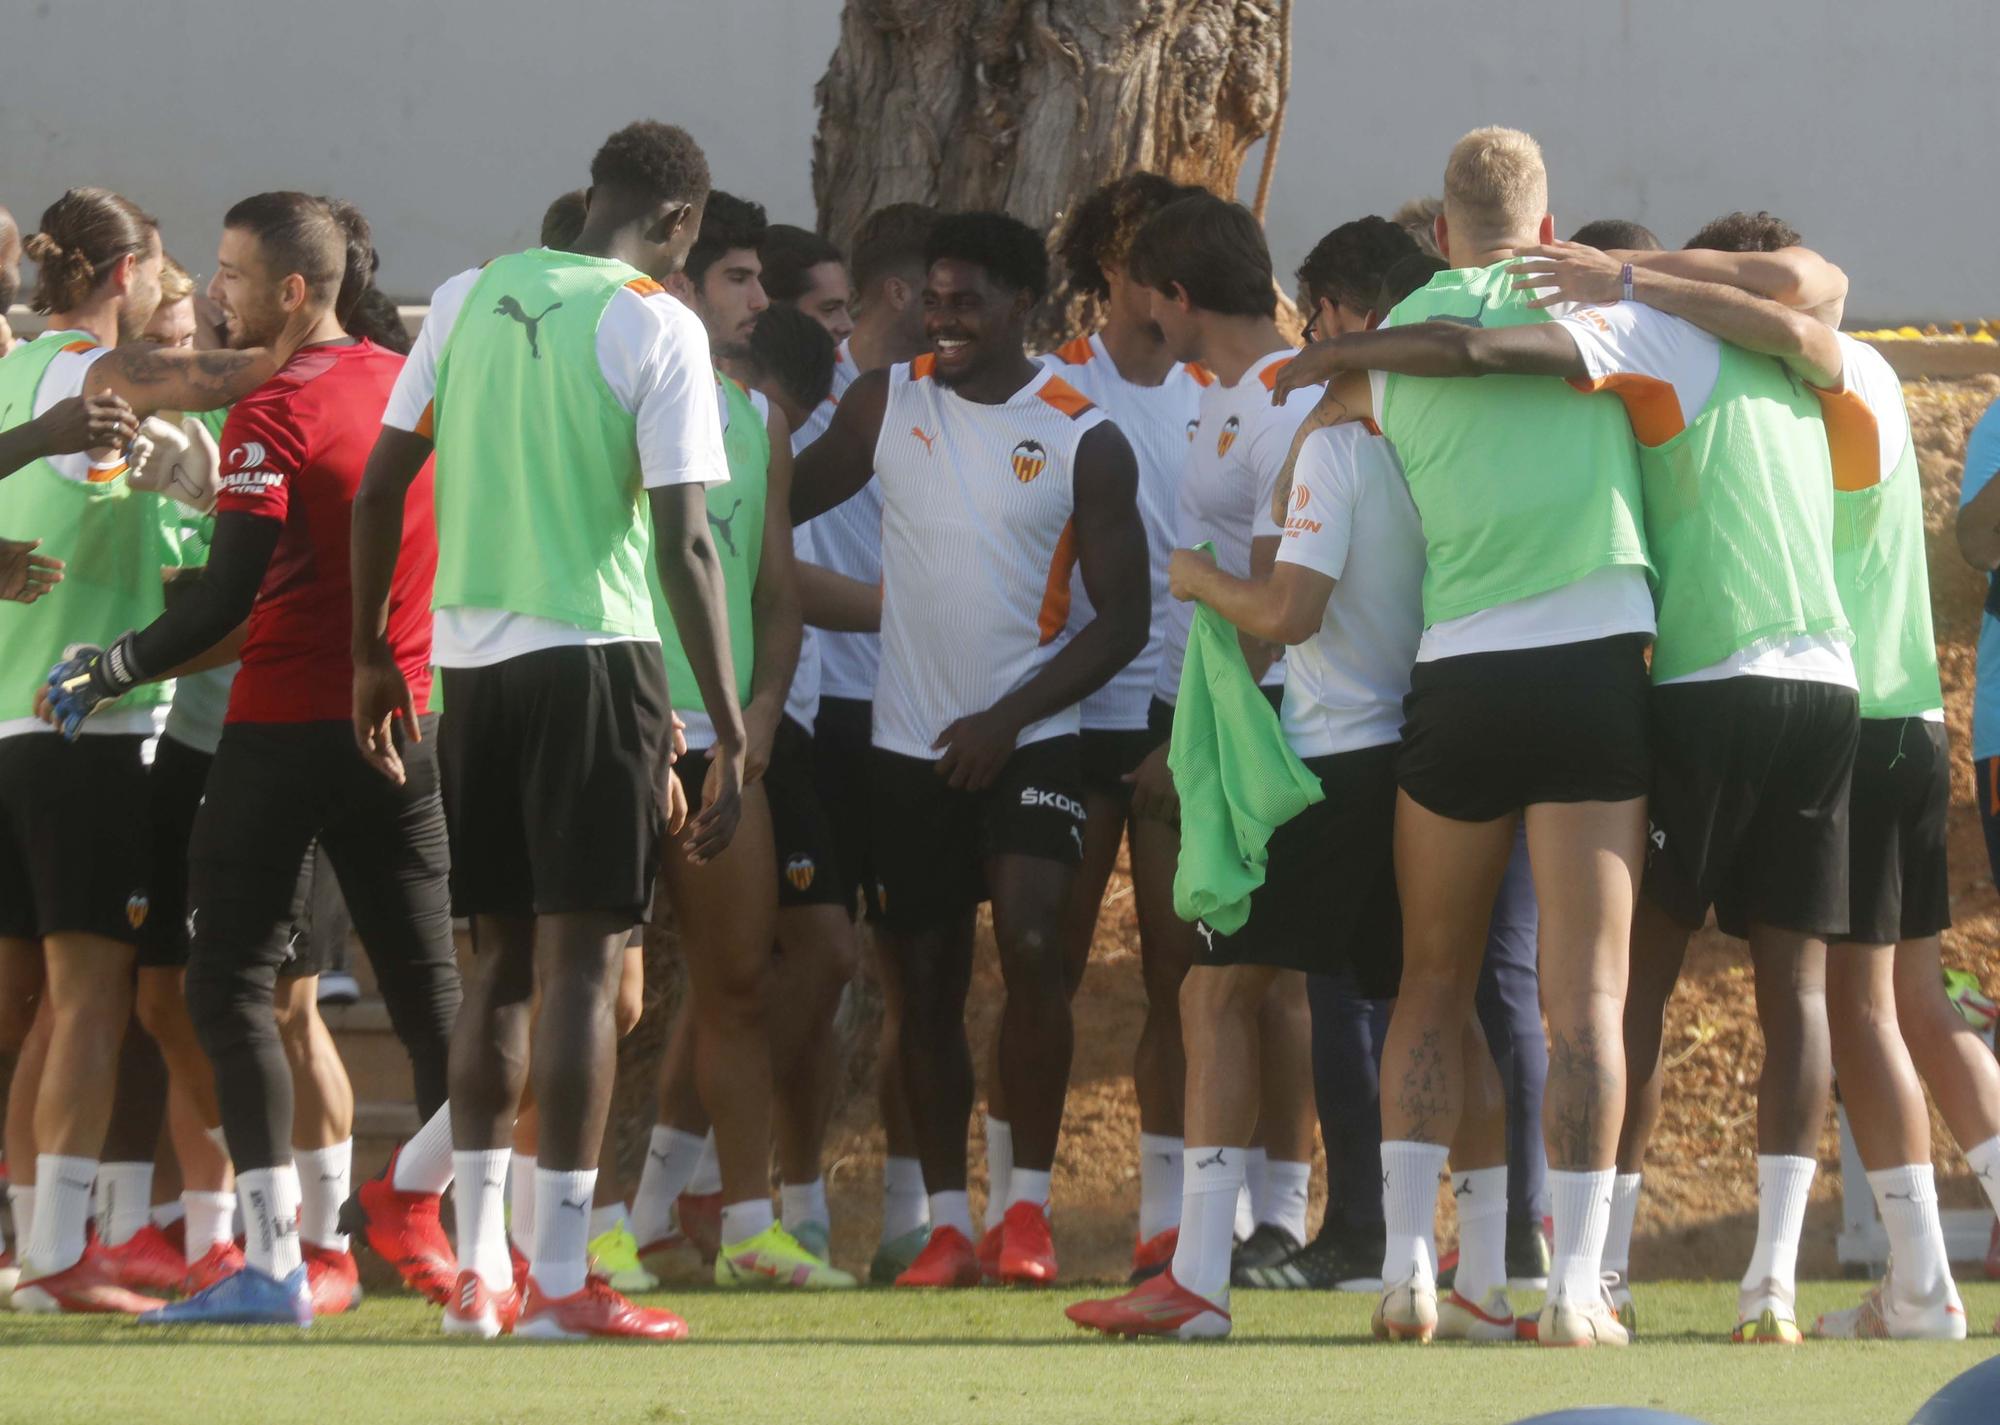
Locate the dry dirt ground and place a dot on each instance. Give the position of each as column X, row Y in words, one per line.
column 1698, row 1213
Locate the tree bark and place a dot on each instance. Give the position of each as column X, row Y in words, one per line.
column 1022, row 105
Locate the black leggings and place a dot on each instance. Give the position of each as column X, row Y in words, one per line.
column 275, row 787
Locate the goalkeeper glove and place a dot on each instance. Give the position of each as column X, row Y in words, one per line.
column 86, row 679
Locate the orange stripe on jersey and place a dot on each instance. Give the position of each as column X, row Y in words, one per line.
column 1076, row 352
column 1650, row 404
column 104, row 475
column 427, row 422
column 922, row 367
column 644, row 286
column 1851, row 439
column 1064, row 397
column 1269, row 375
column 81, row 346
column 1370, row 426
column 1202, row 375
column 1054, row 617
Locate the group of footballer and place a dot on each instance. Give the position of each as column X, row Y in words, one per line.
column 1582, row 583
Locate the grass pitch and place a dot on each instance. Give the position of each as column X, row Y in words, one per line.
column 879, row 1356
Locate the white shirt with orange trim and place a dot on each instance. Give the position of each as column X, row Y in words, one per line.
column 849, row 540
column 653, row 352
column 61, row 379
column 1240, row 442
column 978, row 550
column 1159, row 421
column 1351, row 518
column 1665, row 370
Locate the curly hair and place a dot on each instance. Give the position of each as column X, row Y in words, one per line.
column 1007, row 249
column 84, row 232
column 1617, row 234
column 1347, row 265
column 728, row 224
column 176, row 282
column 657, row 162
column 795, row 351
column 1212, row 248
column 564, row 219
column 1103, row 225
column 1747, row 232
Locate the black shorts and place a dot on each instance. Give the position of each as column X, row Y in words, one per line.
column 1749, row 807
column 1898, row 887
column 843, row 752
column 1486, row 734
column 932, row 842
column 555, row 781
column 808, row 867
column 1160, row 713
column 1328, row 904
column 1108, row 755
column 75, row 837
column 175, row 780
column 273, row 789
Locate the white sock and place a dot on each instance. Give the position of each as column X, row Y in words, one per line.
column 561, row 1258
column 1212, row 1179
column 707, row 1179
column 1409, row 1209
column 124, row 1201
column 999, row 1161
column 521, row 1192
column 1783, row 1185
column 269, row 1198
column 479, row 1193
column 21, row 1198
column 1984, row 1160
column 325, row 1177
column 743, row 1220
column 671, row 1156
column 1246, row 1220
column 606, row 1218
column 209, row 1215
column 803, row 1203
column 1482, row 1231
column 166, row 1214
column 1028, row 1185
column 1288, row 1186
column 1907, row 1199
column 952, row 1209
column 1256, row 1181
column 424, row 1163
column 1159, row 1184
column 62, row 1210
column 905, row 1206
column 1624, row 1212
column 1581, row 1206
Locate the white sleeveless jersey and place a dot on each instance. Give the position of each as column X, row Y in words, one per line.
column 849, row 540
column 1159, row 421
column 977, row 549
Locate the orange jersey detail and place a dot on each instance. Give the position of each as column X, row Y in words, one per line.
column 1650, row 404
column 1064, row 397
column 922, row 367
column 644, row 286
column 1851, row 439
column 1269, row 375
column 1076, row 351
column 1054, row 616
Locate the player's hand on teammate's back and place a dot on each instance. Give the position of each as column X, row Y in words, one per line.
column 975, row 748
column 25, row 575
column 1568, row 272
column 711, row 829
column 1316, row 364
column 1153, row 793
column 99, row 422
column 381, row 697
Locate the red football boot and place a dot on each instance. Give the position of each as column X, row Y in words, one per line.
column 402, row 1228
column 699, row 1216
column 1154, row 1255
column 224, row 1259
column 1027, row 1247
column 146, row 1262
column 1159, row 1306
column 476, row 1311
column 333, row 1277
column 988, row 1253
column 948, row 1260
column 595, row 1311
column 89, row 1285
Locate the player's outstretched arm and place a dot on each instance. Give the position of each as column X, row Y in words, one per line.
column 774, row 607
column 1434, row 349
column 837, row 466
column 1111, row 555
column 837, row 603
column 381, row 695
column 157, row 378
column 691, row 579
column 1795, row 277
column 78, row 423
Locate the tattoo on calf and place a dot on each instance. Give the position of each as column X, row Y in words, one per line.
column 1578, row 1090
column 1424, row 1094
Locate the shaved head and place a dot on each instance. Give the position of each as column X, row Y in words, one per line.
column 10, row 260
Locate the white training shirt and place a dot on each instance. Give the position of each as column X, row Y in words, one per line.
column 654, row 355
column 977, row 550
column 849, row 540
column 1159, row 421
column 1351, row 519
column 62, row 378
column 1666, row 368
column 1240, row 444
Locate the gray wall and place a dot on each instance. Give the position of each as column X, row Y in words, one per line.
column 453, row 122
